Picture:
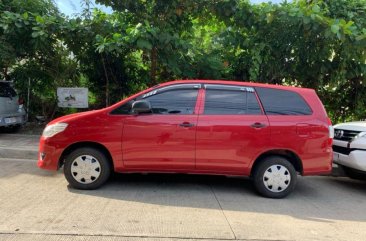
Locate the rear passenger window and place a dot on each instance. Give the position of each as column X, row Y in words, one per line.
column 282, row 102
column 231, row 102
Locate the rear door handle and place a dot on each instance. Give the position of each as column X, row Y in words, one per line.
column 186, row 124
column 258, row 125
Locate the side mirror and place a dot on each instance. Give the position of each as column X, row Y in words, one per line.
column 141, row 106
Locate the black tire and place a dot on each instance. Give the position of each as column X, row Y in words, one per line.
column 283, row 184
column 93, row 156
column 354, row 174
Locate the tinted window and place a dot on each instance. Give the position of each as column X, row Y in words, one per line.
column 179, row 101
column 6, row 90
column 282, row 102
column 231, row 102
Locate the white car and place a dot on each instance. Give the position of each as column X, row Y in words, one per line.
column 12, row 113
column 349, row 148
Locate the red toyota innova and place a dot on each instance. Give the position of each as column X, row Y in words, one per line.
column 267, row 132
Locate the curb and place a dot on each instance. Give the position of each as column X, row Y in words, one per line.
column 19, row 153
column 19, row 146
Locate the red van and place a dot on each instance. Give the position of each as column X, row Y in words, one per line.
column 267, row 132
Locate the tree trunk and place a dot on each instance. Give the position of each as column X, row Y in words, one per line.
column 106, row 84
column 154, row 61
column 5, row 73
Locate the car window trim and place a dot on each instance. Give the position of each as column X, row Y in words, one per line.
column 231, row 88
column 163, row 89
column 168, row 88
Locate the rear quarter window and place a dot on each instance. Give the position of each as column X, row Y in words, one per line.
column 282, row 102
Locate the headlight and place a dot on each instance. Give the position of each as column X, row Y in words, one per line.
column 54, row 129
column 360, row 135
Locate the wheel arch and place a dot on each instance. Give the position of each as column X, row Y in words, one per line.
column 82, row 144
column 291, row 156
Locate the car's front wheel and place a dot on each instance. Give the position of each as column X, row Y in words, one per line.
column 86, row 168
column 354, row 174
column 274, row 177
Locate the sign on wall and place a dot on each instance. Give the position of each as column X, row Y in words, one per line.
column 72, row 97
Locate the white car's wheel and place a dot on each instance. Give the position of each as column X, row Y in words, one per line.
column 354, row 174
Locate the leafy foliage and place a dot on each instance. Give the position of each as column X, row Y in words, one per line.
column 318, row 44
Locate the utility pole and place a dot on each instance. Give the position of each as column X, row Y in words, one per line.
column 28, row 100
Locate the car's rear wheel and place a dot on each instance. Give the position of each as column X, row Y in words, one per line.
column 87, row 168
column 274, row 177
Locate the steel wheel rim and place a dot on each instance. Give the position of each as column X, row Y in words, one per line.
column 85, row 169
column 277, row 178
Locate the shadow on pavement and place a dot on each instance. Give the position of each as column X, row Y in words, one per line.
column 321, row 199
column 315, row 198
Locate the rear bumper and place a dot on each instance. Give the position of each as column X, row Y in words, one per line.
column 356, row 159
column 321, row 165
column 12, row 119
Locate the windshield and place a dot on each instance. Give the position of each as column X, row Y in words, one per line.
column 6, row 90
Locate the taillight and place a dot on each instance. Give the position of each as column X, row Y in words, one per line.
column 20, row 101
column 331, row 129
column 331, row 132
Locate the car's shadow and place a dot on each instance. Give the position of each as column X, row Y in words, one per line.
column 321, row 199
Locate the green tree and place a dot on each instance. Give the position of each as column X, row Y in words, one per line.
column 31, row 48
column 164, row 31
column 316, row 44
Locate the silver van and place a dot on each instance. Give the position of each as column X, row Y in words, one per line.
column 12, row 114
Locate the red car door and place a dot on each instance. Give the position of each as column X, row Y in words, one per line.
column 232, row 129
column 164, row 139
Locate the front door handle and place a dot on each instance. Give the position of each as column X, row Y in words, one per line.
column 258, row 125
column 186, row 124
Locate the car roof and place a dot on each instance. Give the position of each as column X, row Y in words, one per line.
column 238, row 83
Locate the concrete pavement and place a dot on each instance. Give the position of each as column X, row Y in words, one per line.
column 57, row 237
column 37, row 205
column 19, row 146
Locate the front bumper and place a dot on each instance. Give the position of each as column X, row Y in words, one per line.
column 355, row 159
column 49, row 154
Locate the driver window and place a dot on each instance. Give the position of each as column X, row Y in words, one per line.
column 178, row 101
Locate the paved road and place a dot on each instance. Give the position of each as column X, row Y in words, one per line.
column 19, row 146
column 38, row 205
